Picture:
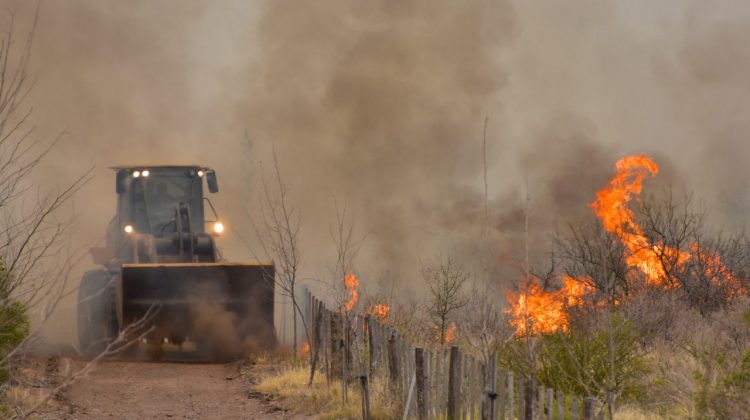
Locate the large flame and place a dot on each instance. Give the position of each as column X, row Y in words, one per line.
column 351, row 283
column 538, row 311
column 611, row 206
column 541, row 312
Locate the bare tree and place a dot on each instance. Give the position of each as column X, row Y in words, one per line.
column 483, row 326
column 707, row 270
column 445, row 279
column 35, row 258
column 345, row 287
column 278, row 234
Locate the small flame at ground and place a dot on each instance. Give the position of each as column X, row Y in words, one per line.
column 380, row 311
column 351, row 283
column 450, row 333
column 305, row 350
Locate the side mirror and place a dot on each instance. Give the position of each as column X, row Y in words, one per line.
column 213, row 185
column 120, row 181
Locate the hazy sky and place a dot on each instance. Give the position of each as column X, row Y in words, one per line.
column 382, row 104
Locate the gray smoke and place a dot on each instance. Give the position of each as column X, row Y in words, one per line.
column 382, row 104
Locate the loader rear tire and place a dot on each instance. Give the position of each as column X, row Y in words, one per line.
column 97, row 316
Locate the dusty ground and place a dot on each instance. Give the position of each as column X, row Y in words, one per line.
column 141, row 390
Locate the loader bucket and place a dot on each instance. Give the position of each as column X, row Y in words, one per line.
column 227, row 306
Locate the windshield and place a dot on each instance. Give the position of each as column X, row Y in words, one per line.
column 156, row 197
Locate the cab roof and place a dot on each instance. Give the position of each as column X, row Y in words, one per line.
column 157, row 166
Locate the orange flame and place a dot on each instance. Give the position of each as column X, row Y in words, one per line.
column 351, row 283
column 450, row 333
column 305, row 350
column 381, row 311
column 545, row 312
column 611, row 206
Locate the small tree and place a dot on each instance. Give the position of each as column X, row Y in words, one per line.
column 445, row 279
column 278, row 234
column 483, row 326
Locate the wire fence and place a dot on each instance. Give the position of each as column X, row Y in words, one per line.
column 436, row 383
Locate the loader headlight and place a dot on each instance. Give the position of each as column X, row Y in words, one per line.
column 200, row 173
column 128, row 229
column 218, row 228
column 145, row 173
column 136, row 174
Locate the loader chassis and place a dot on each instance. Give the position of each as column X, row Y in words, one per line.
column 160, row 268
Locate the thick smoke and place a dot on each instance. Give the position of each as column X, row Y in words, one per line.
column 382, row 104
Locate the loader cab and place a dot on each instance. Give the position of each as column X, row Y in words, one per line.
column 158, row 201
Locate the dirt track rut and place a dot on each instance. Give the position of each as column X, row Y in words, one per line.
column 136, row 390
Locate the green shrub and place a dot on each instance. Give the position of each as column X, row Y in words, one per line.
column 578, row 362
column 14, row 328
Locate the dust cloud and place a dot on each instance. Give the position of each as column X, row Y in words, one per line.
column 382, row 104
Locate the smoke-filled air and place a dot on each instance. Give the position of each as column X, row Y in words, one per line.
column 556, row 189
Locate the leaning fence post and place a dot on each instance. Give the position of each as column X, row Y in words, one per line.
column 589, row 404
column 420, row 369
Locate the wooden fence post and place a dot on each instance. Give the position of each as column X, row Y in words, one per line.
column 420, row 368
column 316, row 341
column 369, row 324
column 521, row 397
column 511, row 397
column 528, row 399
column 574, row 412
column 475, row 388
column 550, row 404
column 454, row 384
column 365, row 397
column 501, row 395
column 392, row 359
column 589, row 405
column 490, row 390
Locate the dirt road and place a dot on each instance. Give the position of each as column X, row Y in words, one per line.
column 137, row 390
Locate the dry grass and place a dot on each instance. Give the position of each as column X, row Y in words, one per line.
column 21, row 399
column 632, row 412
column 290, row 385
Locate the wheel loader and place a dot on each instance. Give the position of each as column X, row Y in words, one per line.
column 161, row 276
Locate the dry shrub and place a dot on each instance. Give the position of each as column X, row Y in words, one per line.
column 700, row 366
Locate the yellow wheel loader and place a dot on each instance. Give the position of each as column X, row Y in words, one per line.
column 161, row 270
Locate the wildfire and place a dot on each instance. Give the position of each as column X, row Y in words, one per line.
column 381, row 311
column 545, row 312
column 611, row 207
column 351, row 283
column 305, row 350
